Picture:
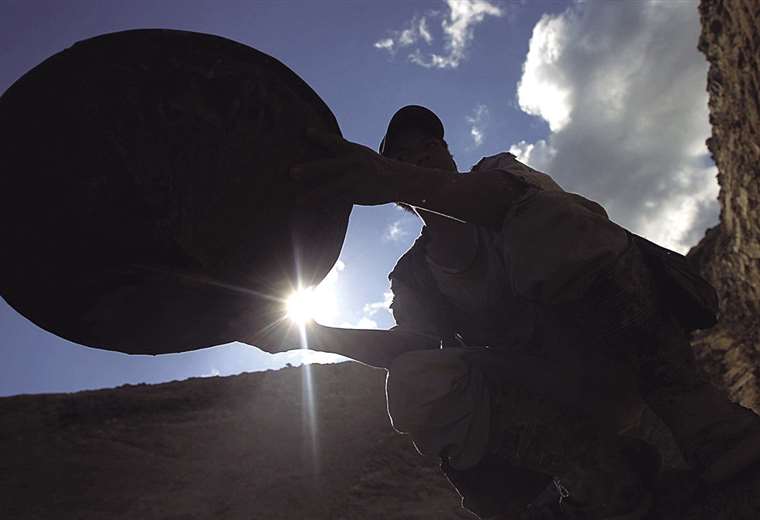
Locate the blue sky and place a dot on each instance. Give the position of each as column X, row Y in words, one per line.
column 608, row 97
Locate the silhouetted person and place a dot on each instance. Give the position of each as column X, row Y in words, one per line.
column 530, row 333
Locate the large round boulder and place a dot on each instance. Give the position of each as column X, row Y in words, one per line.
column 144, row 197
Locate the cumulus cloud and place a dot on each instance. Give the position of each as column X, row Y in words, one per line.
column 622, row 88
column 538, row 154
column 477, row 122
column 542, row 90
column 385, row 43
column 457, row 25
column 395, row 232
column 370, row 311
column 417, row 30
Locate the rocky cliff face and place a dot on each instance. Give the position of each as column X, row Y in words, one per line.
column 252, row 446
column 729, row 255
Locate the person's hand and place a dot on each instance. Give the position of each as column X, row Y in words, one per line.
column 281, row 336
column 354, row 173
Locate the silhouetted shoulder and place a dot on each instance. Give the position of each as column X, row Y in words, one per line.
column 507, row 162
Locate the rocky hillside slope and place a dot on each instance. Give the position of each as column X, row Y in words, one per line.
column 241, row 447
column 263, row 446
column 258, row 446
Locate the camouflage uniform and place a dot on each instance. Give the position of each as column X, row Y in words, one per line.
column 545, row 358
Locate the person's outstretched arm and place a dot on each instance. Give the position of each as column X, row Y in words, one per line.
column 376, row 348
column 359, row 175
column 415, row 330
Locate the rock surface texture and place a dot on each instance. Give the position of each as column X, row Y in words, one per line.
column 729, row 255
column 263, row 446
column 156, row 174
column 241, row 447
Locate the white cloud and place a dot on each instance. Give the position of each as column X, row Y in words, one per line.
column 622, row 87
column 539, row 154
column 417, row 30
column 395, row 232
column 423, row 31
column 543, row 90
column 385, row 43
column 457, row 31
column 372, row 308
column 370, row 311
column 478, row 121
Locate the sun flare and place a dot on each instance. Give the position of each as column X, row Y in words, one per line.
column 312, row 303
column 318, row 303
column 303, row 305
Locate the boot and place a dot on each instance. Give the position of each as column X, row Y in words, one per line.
column 495, row 489
column 556, row 501
column 717, row 437
column 533, row 432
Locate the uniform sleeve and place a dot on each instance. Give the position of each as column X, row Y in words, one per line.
column 508, row 163
column 410, row 312
column 562, row 243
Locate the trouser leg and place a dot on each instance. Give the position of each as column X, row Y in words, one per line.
column 716, row 436
column 520, row 428
column 538, row 433
column 604, row 284
column 496, row 488
column 443, row 404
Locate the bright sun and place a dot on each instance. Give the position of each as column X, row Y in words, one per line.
column 302, row 305
column 318, row 303
column 311, row 303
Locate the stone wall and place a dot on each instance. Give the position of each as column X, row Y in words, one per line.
column 729, row 255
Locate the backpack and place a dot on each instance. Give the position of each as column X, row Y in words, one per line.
column 691, row 298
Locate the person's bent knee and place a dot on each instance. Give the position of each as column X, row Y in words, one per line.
column 442, row 403
column 417, row 380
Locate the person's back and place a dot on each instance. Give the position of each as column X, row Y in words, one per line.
column 565, row 328
column 566, row 324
